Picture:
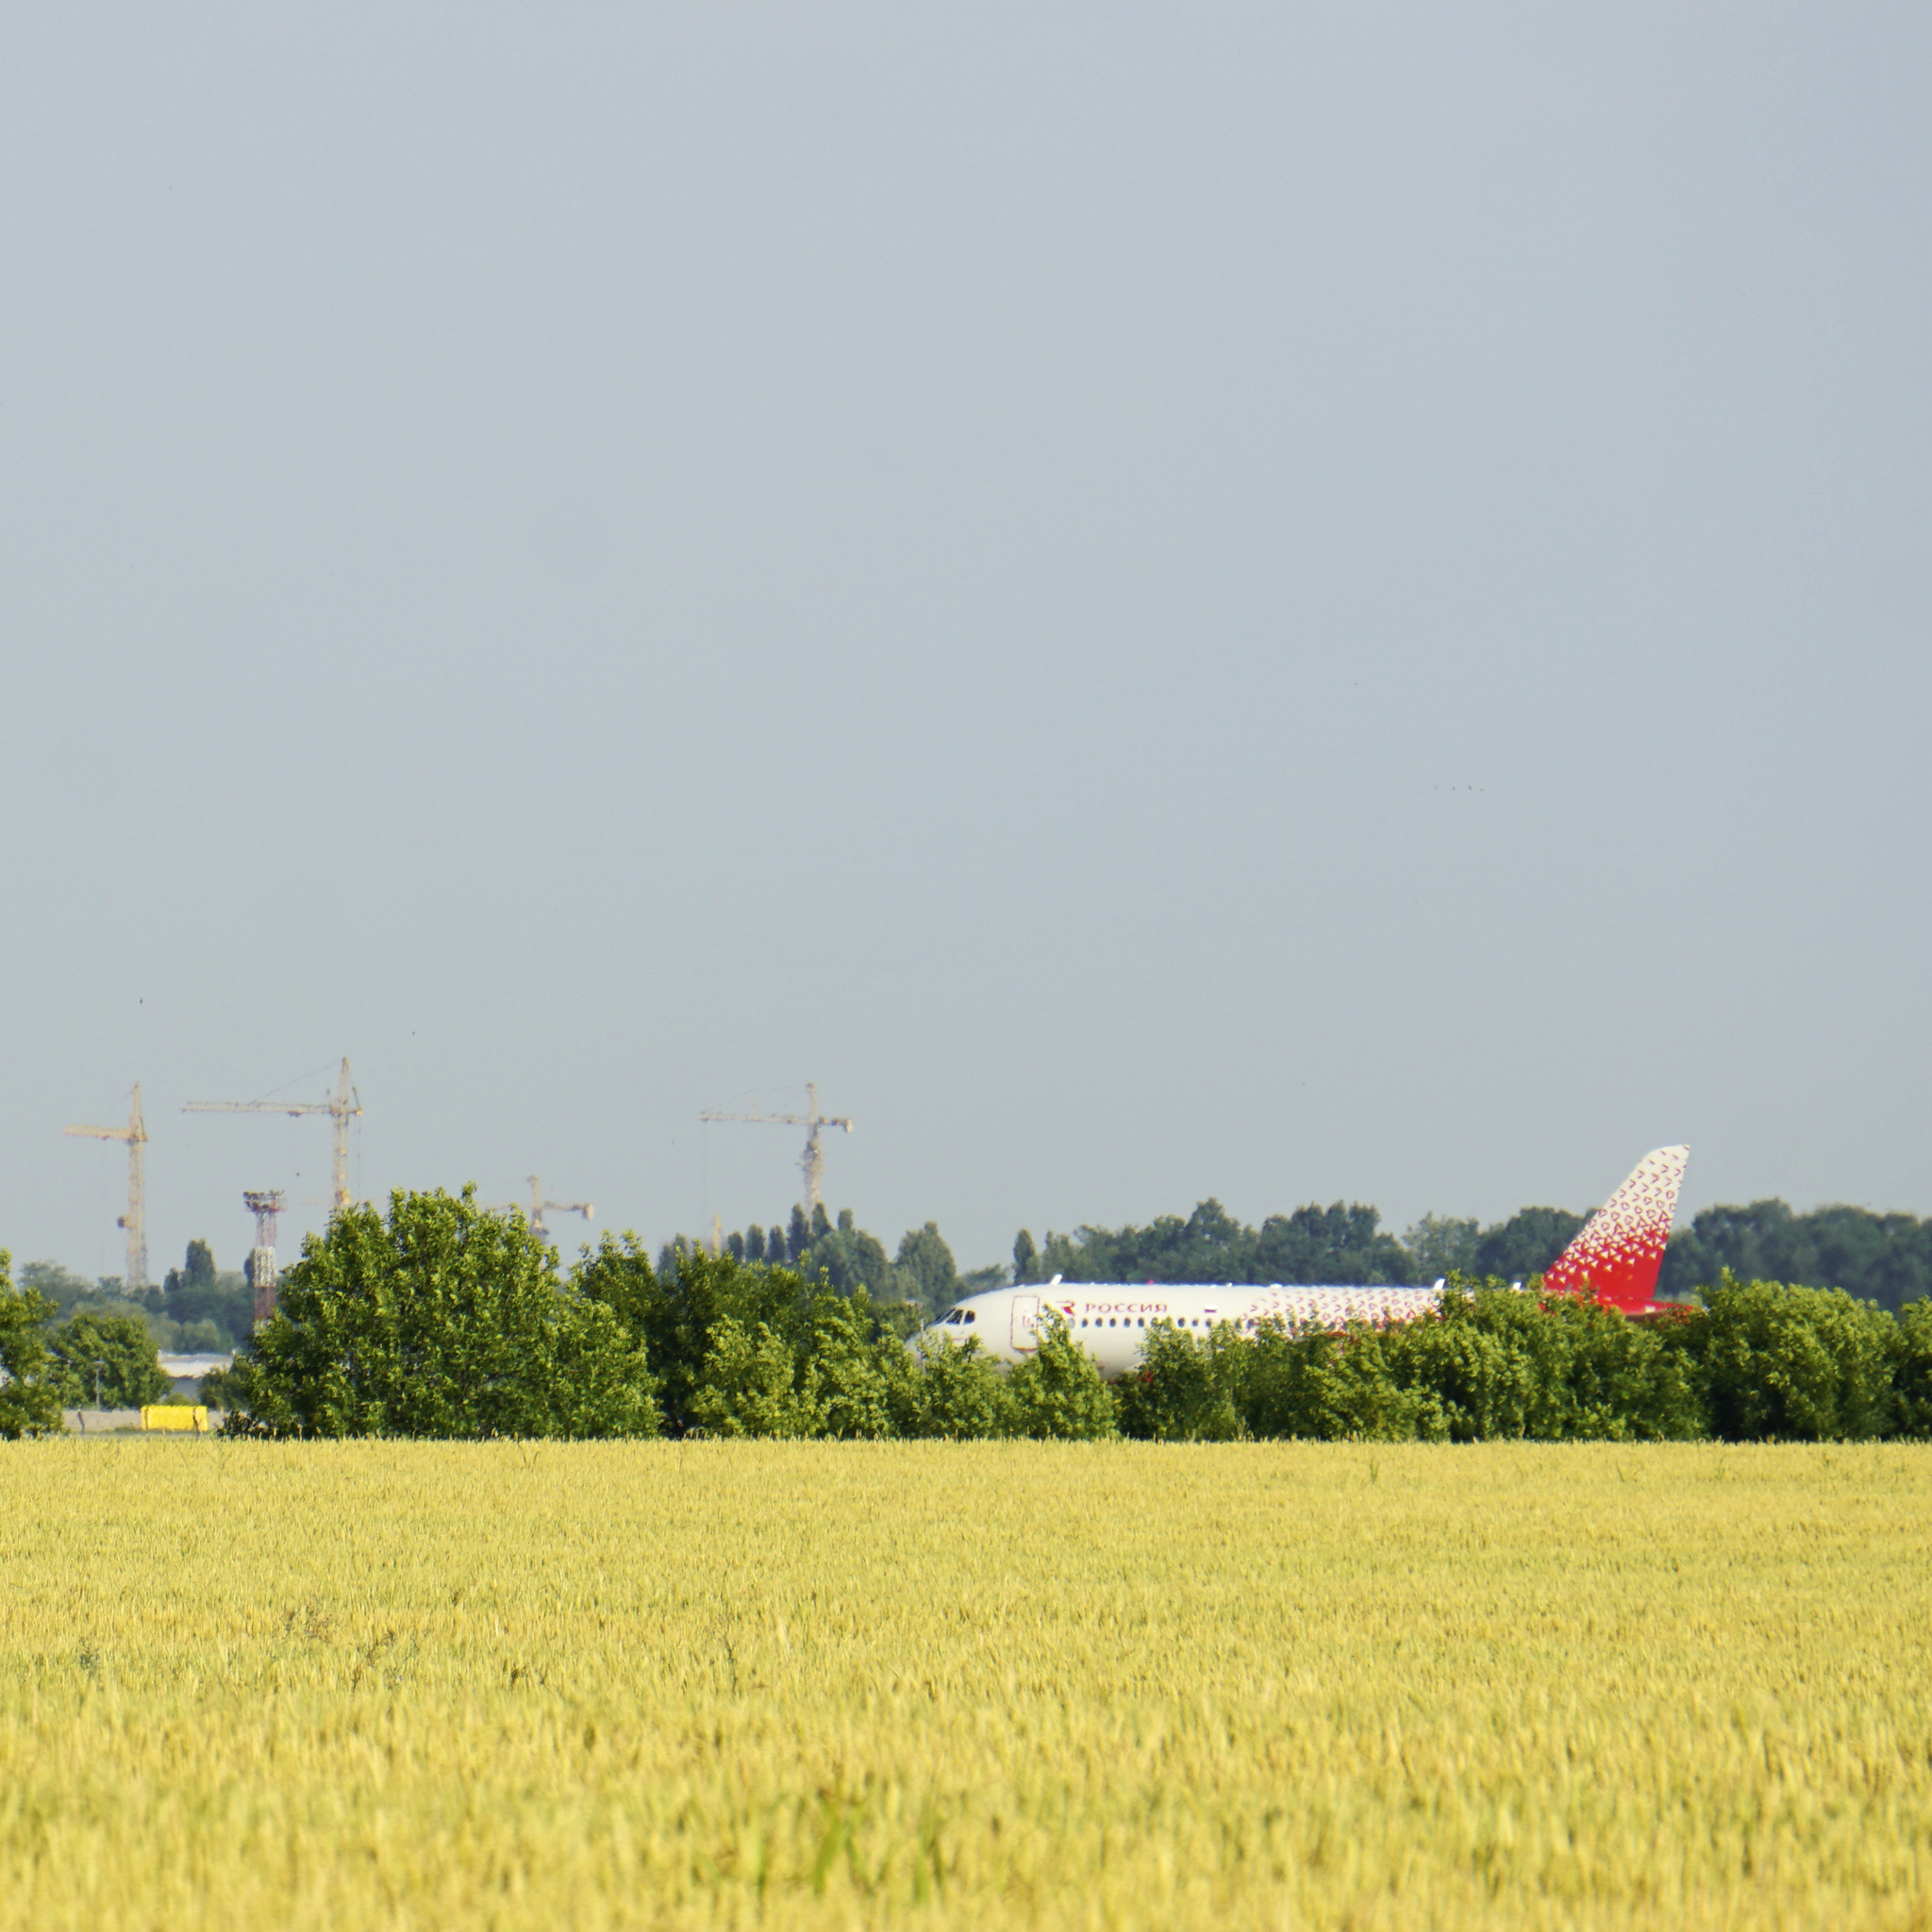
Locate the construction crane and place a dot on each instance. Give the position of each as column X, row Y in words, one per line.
column 135, row 1220
column 341, row 1107
column 811, row 1163
column 540, row 1207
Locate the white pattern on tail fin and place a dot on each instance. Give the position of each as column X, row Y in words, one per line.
column 1622, row 1246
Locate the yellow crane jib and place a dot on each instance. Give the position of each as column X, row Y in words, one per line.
column 811, row 1163
column 343, row 1107
column 540, row 1207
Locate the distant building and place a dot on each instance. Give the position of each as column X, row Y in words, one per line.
column 186, row 1371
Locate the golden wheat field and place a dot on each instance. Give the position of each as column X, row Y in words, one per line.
column 822, row 1685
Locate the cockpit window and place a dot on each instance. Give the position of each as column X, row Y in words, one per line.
column 971, row 1315
column 953, row 1317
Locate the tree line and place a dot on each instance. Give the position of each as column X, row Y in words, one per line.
column 102, row 1342
column 922, row 1278
column 1886, row 1259
column 442, row 1319
column 198, row 1310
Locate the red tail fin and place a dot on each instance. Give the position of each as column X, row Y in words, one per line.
column 1621, row 1245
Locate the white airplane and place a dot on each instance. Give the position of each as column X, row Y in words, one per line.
column 1616, row 1256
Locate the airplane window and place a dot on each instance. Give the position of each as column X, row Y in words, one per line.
column 971, row 1315
column 1109, row 1320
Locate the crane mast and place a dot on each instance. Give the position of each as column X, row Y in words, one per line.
column 135, row 1220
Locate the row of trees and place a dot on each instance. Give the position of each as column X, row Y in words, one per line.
column 445, row 1320
column 47, row 1365
column 442, row 1319
column 199, row 1309
column 1752, row 1362
column 1885, row 1258
column 1343, row 1242
column 924, row 1278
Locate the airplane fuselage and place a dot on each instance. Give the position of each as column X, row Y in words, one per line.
column 1110, row 1320
column 1615, row 1257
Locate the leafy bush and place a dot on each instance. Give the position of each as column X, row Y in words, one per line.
column 1494, row 1363
column 1057, row 1392
column 1793, row 1364
column 861, row 1366
column 955, row 1392
column 756, row 1384
column 1332, row 1386
column 1186, row 1389
column 220, row 1390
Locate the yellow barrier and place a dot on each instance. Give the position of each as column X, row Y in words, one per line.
column 174, row 1416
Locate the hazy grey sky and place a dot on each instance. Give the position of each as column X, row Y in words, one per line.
column 1280, row 600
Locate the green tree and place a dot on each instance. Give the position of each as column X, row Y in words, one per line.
column 1026, row 1260
column 1185, row 1389
column 60, row 1286
column 28, row 1404
column 1912, row 1371
column 129, row 1372
column 1526, row 1243
column 849, row 1257
column 197, row 1267
column 1793, row 1364
column 753, row 1383
column 1438, row 1246
column 1336, row 1243
column 1057, row 1392
column 958, row 1394
column 926, row 1271
column 443, row 1320
column 863, row 1372
column 1333, row 1387
column 209, row 1309
column 678, row 1312
column 1885, row 1258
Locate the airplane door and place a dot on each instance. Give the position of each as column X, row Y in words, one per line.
column 1025, row 1321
